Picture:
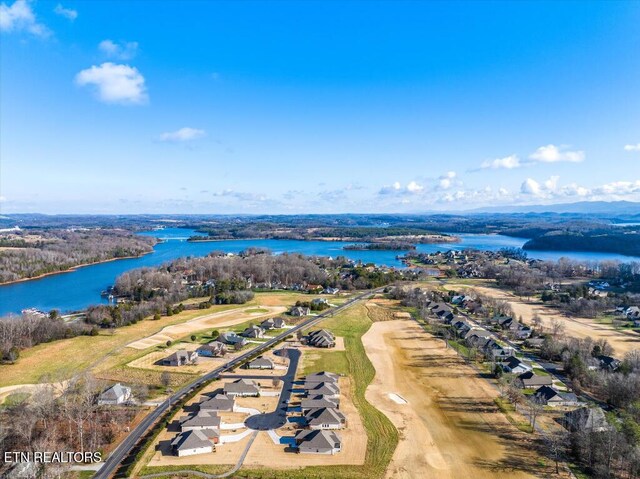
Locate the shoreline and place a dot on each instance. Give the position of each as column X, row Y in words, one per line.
column 71, row 270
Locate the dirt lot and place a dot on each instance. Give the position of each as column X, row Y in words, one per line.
column 218, row 320
column 449, row 426
column 622, row 341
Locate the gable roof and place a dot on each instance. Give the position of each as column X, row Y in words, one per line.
column 320, row 377
column 190, row 440
column 319, row 439
column 324, row 415
column 587, row 419
column 201, row 419
column 115, row 392
column 219, row 402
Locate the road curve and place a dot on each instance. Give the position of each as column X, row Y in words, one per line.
column 125, row 447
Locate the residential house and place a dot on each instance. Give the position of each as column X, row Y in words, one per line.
column 321, row 338
column 586, row 419
column 321, row 377
column 180, row 358
column 327, row 389
column 260, row 363
column 534, row 343
column 319, row 302
column 608, row 363
column 116, row 394
column 200, row 420
column 214, row 349
column 325, row 418
column 515, row 366
column 233, row 339
column 253, row 332
column 300, row 311
column 331, row 290
column 273, row 323
column 194, row 442
column 242, row 387
column 632, row 313
column 531, row 380
column 551, row 397
column 318, row 442
column 315, row 402
column 219, row 402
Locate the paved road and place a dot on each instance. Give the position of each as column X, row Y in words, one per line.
column 125, row 447
column 278, row 417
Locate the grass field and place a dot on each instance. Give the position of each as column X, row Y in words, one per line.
column 58, row 360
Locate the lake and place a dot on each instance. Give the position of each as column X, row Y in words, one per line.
column 80, row 288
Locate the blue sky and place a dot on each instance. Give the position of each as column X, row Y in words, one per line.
column 289, row 107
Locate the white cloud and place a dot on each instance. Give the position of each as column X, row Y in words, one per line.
column 446, row 181
column 20, row 17
column 552, row 183
column 414, row 187
column 121, row 50
column 183, row 134
column 508, row 162
column 65, row 12
column 619, row 188
column 531, row 187
column 635, row 147
column 554, row 154
column 115, row 83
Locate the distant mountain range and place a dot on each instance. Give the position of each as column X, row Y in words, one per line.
column 609, row 208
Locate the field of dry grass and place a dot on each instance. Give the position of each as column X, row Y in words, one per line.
column 449, row 426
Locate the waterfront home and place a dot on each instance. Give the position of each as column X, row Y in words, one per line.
column 190, row 443
column 180, row 358
column 325, row 418
column 219, row 402
column 321, row 339
column 214, row 349
column 260, row 363
column 116, row 394
column 242, row 387
column 318, row 442
column 200, row 420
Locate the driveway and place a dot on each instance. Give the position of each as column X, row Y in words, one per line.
column 278, row 417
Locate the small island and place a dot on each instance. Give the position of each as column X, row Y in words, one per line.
column 386, row 245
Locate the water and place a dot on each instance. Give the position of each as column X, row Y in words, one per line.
column 78, row 289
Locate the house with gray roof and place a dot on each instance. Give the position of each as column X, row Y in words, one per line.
column 116, row 394
column 219, row 402
column 551, row 397
column 300, row 311
column 254, row 332
column 273, row 323
column 319, row 401
column 194, row 442
column 321, row 338
column 214, row 349
column 515, row 366
column 260, row 363
column 200, row 420
column 318, row 442
column 325, row 418
column 180, row 358
column 232, row 338
column 531, row 380
column 585, row 418
column 328, row 389
column 242, row 387
column 321, row 377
